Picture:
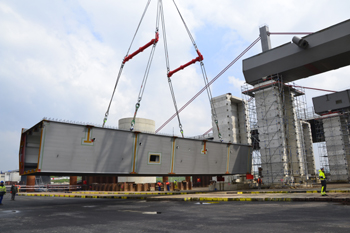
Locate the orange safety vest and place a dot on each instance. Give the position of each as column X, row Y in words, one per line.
column 159, row 184
column 259, row 181
column 167, row 183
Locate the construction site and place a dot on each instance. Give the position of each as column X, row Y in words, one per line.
column 268, row 131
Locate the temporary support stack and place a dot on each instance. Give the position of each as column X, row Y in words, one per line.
column 333, row 128
column 294, row 138
column 308, row 149
column 278, row 130
column 336, row 133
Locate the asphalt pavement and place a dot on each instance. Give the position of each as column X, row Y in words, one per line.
column 197, row 210
column 52, row 214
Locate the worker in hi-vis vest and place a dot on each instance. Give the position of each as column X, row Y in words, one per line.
column 168, row 185
column 2, row 191
column 159, row 185
column 322, row 177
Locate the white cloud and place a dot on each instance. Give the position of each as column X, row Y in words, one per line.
column 237, row 83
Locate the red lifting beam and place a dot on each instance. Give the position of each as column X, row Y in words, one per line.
column 153, row 41
column 199, row 58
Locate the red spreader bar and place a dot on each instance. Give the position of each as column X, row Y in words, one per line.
column 199, row 58
column 153, row 41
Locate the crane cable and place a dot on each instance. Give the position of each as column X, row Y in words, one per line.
column 145, row 77
column 168, row 66
column 122, row 65
column 205, row 77
column 211, row 82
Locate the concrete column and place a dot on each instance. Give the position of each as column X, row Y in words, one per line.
column 188, row 178
column 232, row 119
column 31, row 182
column 308, row 149
column 295, row 155
column 273, row 148
column 337, row 143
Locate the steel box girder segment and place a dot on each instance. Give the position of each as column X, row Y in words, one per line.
column 332, row 102
column 328, row 49
column 67, row 148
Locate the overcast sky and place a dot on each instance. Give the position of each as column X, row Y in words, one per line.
column 60, row 59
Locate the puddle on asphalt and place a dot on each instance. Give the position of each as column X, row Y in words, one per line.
column 151, row 212
column 11, row 211
column 141, row 212
column 206, row 203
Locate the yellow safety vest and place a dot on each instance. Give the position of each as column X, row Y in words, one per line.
column 321, row 175
column 3, row 188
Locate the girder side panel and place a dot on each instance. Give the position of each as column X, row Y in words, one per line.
column 155, row 145
column 240, row 160
column 64, row 151
column 189, row 159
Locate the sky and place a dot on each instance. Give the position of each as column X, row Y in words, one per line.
column 60, row 59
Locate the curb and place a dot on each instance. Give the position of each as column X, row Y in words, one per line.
column 269, row 192
column 311, row 199
column 142, row 193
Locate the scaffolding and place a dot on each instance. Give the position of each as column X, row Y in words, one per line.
column 252, row 128
column 275, row 112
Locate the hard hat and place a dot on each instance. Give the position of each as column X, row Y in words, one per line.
column 1, row 182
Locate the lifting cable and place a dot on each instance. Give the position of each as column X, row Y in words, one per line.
column 168, row 67
column 144, row 81
column 211, row 82
column 205, row 77
column 127, row 58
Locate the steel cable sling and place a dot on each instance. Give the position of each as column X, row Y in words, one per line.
column 211, row 82
column 127, row 58
column 168, row 66
column 205, row 77
column 145, row 77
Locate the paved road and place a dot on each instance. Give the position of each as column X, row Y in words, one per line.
column 50, row 214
